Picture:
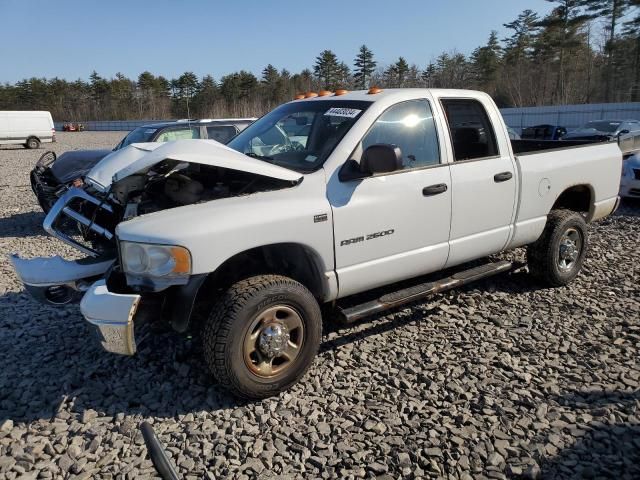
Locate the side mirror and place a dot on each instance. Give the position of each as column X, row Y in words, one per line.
column 381, row 158
column 623, row 132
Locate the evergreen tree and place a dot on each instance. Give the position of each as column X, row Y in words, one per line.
column 486, row 64
column 364, row 66
column 612, row 11
column 326, row 69
column 401, row 69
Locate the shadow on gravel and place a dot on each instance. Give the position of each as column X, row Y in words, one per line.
column 518, row 282
column 605, row 450
column 52, row 363
column 26, row 224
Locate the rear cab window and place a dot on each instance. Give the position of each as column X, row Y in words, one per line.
column 472, row 133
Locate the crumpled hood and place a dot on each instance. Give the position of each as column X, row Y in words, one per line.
column 139, row 156
column 76, row 163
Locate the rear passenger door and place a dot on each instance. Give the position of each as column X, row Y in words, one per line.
column 483, row 179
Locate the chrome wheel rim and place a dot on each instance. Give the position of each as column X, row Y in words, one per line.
column 569, row 249
column 273, row 341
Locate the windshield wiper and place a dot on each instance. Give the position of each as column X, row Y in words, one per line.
column 259, row 157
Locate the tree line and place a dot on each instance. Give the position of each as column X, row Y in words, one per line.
column 583, row 51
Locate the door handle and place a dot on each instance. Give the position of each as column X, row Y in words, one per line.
column 434, row 189
column 502, row 177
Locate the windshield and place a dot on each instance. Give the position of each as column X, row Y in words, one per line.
column 139, row 135
column 299, row 135
column 603, row 126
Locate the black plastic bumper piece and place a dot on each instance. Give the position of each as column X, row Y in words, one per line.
column 158, row 456
column 180, row 301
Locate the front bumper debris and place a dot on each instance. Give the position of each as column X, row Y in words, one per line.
column 56, row 281
column 112, row 314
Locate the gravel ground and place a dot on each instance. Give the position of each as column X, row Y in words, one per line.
column 501, row 380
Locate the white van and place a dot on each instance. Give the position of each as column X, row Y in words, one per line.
column 26, row 128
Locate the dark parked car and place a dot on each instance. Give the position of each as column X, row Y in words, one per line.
column 52, row 175
column 543, row 132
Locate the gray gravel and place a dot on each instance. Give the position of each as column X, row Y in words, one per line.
column 502, row 380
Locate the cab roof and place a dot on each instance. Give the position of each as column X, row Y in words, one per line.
column 386, row 93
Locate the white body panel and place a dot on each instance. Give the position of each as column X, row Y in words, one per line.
column 17, row 126
column 413, row 229
column 545, row 175
column 216, row 231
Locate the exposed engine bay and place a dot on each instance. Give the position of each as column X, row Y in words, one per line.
column 91, row 215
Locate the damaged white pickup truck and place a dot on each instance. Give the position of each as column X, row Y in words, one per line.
column 326, row 196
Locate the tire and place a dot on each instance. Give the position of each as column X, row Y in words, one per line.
column 552, row 259
column 249, row 327
column 33, row 143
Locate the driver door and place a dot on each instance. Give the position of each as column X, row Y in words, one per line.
column 394, row 226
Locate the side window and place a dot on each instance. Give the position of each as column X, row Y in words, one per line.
column 221, row 133
column 178, row 134
column 410, row 126
column 471, row 130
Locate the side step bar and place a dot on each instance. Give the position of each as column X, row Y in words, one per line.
column 411, row 294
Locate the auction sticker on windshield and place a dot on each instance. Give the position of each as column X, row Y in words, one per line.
column 343, row 112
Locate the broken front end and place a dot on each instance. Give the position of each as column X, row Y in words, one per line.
column 120, row 283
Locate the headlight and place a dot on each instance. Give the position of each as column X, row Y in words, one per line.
column 155, row 260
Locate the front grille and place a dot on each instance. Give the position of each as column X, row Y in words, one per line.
column 636, row 172
column 68, row 207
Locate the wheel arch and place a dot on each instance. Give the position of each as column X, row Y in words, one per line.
column 294, row 260
column 577, row 198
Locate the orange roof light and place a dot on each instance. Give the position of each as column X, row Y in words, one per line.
column 299, row 96
column 324, row 93
column 341, row 91
column 310, row 95
column 374, row 90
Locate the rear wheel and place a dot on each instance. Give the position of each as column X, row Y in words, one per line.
column 557, row 256
column 33, row 142
column 262, row 335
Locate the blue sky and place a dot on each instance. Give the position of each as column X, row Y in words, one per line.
column 70, row 38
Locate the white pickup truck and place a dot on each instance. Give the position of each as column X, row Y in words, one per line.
column 327, row 196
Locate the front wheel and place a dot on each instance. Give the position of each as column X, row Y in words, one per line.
column 262, row 335
column 557, row 256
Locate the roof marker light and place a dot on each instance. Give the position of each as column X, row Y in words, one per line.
column 341, row 91
column 299, row 96
column 324, row 93
column 374, row 90
column 310, row 95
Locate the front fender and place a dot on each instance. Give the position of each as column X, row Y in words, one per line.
column 216, row 231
